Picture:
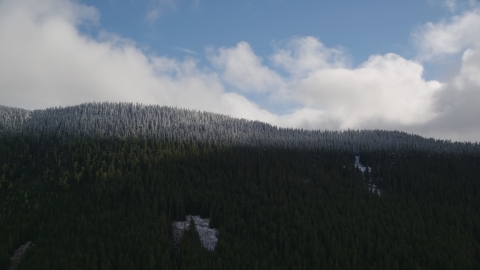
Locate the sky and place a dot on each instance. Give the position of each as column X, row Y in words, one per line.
column 411, row 65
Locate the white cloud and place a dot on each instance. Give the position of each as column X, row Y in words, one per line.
column 469, row 73
column 385, row 88
column 244, row 70
column 448, row 37
column 39, row 11
column 384, row 91
column 302, row 55
column 458, row 103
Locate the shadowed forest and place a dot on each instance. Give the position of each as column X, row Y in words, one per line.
column 109, row 204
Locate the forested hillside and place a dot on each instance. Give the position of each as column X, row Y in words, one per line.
column 100, row 191
column 127, row 120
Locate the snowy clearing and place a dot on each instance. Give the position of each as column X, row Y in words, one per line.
column 208, row 236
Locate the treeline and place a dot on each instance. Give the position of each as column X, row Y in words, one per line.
column 128, row 120
column 109, row 203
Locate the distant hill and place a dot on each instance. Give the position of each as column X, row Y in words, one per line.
column 124, row 120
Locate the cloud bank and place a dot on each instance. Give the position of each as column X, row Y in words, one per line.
column 456, row 102
column 47, row 61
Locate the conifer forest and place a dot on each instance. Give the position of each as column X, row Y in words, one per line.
column 99, row 185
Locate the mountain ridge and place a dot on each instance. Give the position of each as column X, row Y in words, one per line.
column 124, row 120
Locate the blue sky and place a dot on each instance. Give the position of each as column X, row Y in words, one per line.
column 395, row 65
column 363, row 28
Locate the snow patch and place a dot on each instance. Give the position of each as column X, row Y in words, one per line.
column 360, row 166
column 371, row 186
column 208, row 236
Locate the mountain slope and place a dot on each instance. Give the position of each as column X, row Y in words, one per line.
column 124, row 120
column 98, row 186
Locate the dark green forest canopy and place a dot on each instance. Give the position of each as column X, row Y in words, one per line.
column 109, row 203
column 92, row 197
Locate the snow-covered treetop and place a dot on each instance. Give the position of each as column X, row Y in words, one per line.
column 124, row 120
